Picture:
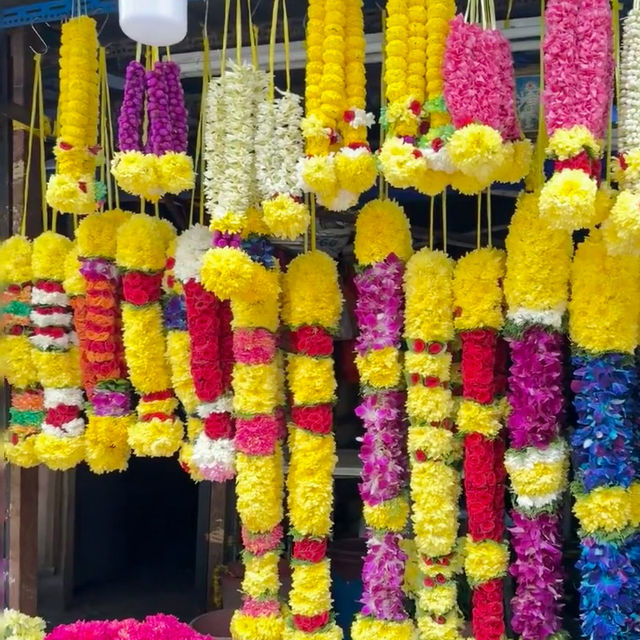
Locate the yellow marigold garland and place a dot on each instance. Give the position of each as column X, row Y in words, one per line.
column 141, row 249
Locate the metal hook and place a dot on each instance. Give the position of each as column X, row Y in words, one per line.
column 44, row 44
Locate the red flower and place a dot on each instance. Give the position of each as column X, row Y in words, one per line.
column 310, row 550
column 581, row 161
column 312, row 341
column 415, row 107
column 478, row 364
column 257, row 436
column 309, row 624
column 437, row 144
column 58, row 416
column 487, row 611
column 317, row 419
column 218, row 425
column 349, row 115
column 141, row 288
column 418, row 346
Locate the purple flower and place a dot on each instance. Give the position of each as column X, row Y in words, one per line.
column 130, row 117
column 111, row 403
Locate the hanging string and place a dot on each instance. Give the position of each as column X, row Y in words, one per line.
column 479, row 222
column 431, row 212
column 313, row 222
column 272, row 49
column 43, row 167
column 253, row 37
column 287, row 44
column 444, row 221
column 103, row 127
column 111, row 138
column 32, row 123
column 615, row 17
column 168, row 53
column 489, row 219
column 307, row 201
column 238, row 32
column 225, row 36
column 156, row 209
column 541, row 142
column 382, row 187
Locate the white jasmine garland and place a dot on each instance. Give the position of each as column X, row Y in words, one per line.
column 266, row 149
column 70, row 396
column 629, row 108
column 191, row 246
column 289, row 143
column 213, row 145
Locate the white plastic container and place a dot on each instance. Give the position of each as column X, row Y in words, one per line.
column 158, row 23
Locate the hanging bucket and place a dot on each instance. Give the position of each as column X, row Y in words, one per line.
column 158, row 23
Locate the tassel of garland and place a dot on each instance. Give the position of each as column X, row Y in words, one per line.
column 17, row 363
column 478, row 319
column 60, row 445
column 109, row 415
column 603, row 324
column 312, row 306
column 379, row 310
column 141, row 256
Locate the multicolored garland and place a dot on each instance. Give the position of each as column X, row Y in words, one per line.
column 312, row 306
column 433, row 446
column 478, row 301
column 160, row 164
column 109, row 415
column 578, row 71
column 60, row 444
column 208, row 321
column 178, row 344
column 339, row 166
column 141, row 257
column 536, row 291
column 17, row 361
column 603, row 324
column 381, row 258
column 71, row 188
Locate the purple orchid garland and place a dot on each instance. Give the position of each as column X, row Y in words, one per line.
column 132, row 109
column 177, row 109
column 160, row 134
column 379, row 311
column 537, row 404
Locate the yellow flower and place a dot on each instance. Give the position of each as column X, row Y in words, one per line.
column 605, row 509
column 605, row 303
column 157, row 406
column 74, row 283
column 17, row 363
column 330, row 632
column 485, row 560
column 479, row 418
column 450, row 629
column 15, row 261
column 311, row 380
column 194, row 427
column 310, row 483
column 439, row 599
column 538, row 261
column 144, row 348
column 467, row 185
column 22, row 454
column 65, row 193
column 429, row 404
column 412, row 582
column 137, row 174
column 142, row 244
column 261, row 575
column 431, row 182
column 477, row 291
column 175, row 172
column 356, row 171
column 566, row 143
column 434, row 442
column 244, row 627
column 179, row 356
column 429, row 298
column 285, row 217
column 634, row 493
column 621, row 230
column 264, row 313
column 255, row 388
column 568, row 200
column 517, row 160
column 380, row 368
column 428, row 365
column 59, row 454
column 366, row 628
column 259, row 490
column 156, row 438
column 477, row 150
column 370, row 245
column 97, row 233
column 107, row 448
column 58, row 369
column 399, row 165
column 232, row 275
column 311, row 295
column 319, row 176
column 390, row 514
column 185, row 458
column 50, row 250
column 435, row 486
column 310, row 588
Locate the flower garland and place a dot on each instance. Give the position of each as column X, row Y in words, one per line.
column 60, row 443
column 479, row 90
column 109, row 414
column 178, row 354
column 536, row 291
column 279, row 147
column 141, row 256
column 209, row 327
column 339, row 166
column 433, row 451
column 72, row 188
column 160, row 164
column 478, row 315
column 19, row 626
column 381, row 259
column 603, row 323
column 578, row 61
column 17, row 363
column 312, row 305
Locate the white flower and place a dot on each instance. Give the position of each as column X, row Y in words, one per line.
column 361, row 118
column 265, row 148
column 222, row 404
column 71, row 428
column 51, row 319
column 549, row 318
column 55, row 298
column 191, row 246
column 71, row 396
column 289, row 142
column 215, row 459
column 439, row 160
column 629, row 115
